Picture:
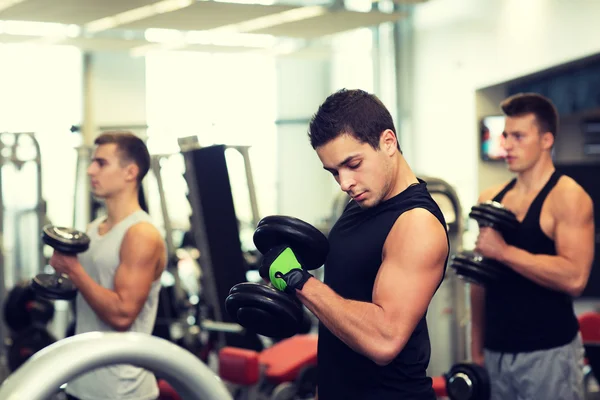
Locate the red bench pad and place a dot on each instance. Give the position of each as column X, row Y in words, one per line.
column 439, row 386
column 284, row 360
column 166, row 391
column 238, row 366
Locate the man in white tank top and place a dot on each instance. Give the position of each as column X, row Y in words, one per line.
column 119, row 276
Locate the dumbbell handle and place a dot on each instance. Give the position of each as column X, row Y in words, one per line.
column 61, row 278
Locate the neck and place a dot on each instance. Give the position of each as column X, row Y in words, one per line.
column 403, row 176
column 535, row 177
column 121, row 206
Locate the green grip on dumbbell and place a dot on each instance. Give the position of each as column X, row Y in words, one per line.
column 285, row 262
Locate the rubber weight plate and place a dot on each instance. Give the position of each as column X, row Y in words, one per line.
column 308, row 243
column 54, row 287
column 470, row 273
column 474, row 268
column 26, row 344
column 264, row 310
column 494, row 269
column 65, row 240
column 496, row 215
column 22, row 308
column 467, row 381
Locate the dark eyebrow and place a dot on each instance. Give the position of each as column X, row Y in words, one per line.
column 98, row 159
column 346, row 161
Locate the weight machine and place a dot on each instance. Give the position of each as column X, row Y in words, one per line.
column 216, row 233
column 208, row 293
column 448, row 313
column 22, row 212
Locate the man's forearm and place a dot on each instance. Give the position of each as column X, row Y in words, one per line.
column 361, row 325
column 105, row 302
column 553, row 272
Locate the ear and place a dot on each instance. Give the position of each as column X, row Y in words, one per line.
column 131, row 172
column 547, row 140
column 388, row 142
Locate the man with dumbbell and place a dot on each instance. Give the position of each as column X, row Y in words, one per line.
column 387, row 257
column 118, row 277
column 525, row 331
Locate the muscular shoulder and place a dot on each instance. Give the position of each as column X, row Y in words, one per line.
column 491, row 192
column 143, row 233
column 569, row 200
column 418, row 229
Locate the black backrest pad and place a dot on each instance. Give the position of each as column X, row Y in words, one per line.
column 215, row 205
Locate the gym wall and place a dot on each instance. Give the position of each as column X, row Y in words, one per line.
column 116, row 80
column 463, row 45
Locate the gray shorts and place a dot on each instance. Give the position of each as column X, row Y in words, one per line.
column 554, row 374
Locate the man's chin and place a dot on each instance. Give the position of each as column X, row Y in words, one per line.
column 364, row 204
column 98, row 195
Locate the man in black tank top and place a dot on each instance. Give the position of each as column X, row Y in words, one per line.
column 388, row 253
column 526, row 332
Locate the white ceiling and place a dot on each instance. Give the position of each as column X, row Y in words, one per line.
column 204, row 15
column 68, row 11
column 197, row 15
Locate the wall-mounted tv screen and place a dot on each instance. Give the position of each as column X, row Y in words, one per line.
column 491, row 138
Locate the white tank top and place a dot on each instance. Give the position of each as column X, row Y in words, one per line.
column 100, row 261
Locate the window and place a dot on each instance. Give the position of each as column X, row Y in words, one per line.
column 222, row 99
column 41, row 93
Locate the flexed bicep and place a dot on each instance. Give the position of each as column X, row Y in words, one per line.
column 575, row 235
column 413, row 265
column 142, row 253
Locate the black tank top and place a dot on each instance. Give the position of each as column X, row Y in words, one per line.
column 356, row 245
column 523, row 316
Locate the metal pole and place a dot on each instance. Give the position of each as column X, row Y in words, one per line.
column 41, row 204
column 88, row 128
column 404, row 54
column 156, row 170
column 245, row 152
column 76, row 128
column 2, row 278
column 171, row 250
column 87, row 138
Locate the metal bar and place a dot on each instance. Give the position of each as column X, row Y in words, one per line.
column 41, row 204
column 171, row 250
column 293, row 121
column 156, row 169
column 77, row 128
column 190, row 377
column 215, row 326
column 245, row 152
column 2, row 277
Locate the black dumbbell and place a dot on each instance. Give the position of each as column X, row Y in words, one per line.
column 468, row 381
column 262, row 309
column 68, row 241
column 471, row 266
column 26, row 343
column 23, row 308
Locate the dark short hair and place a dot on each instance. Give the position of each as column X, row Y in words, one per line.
column 130, row 148
column 353, row 112
column 541, row 107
